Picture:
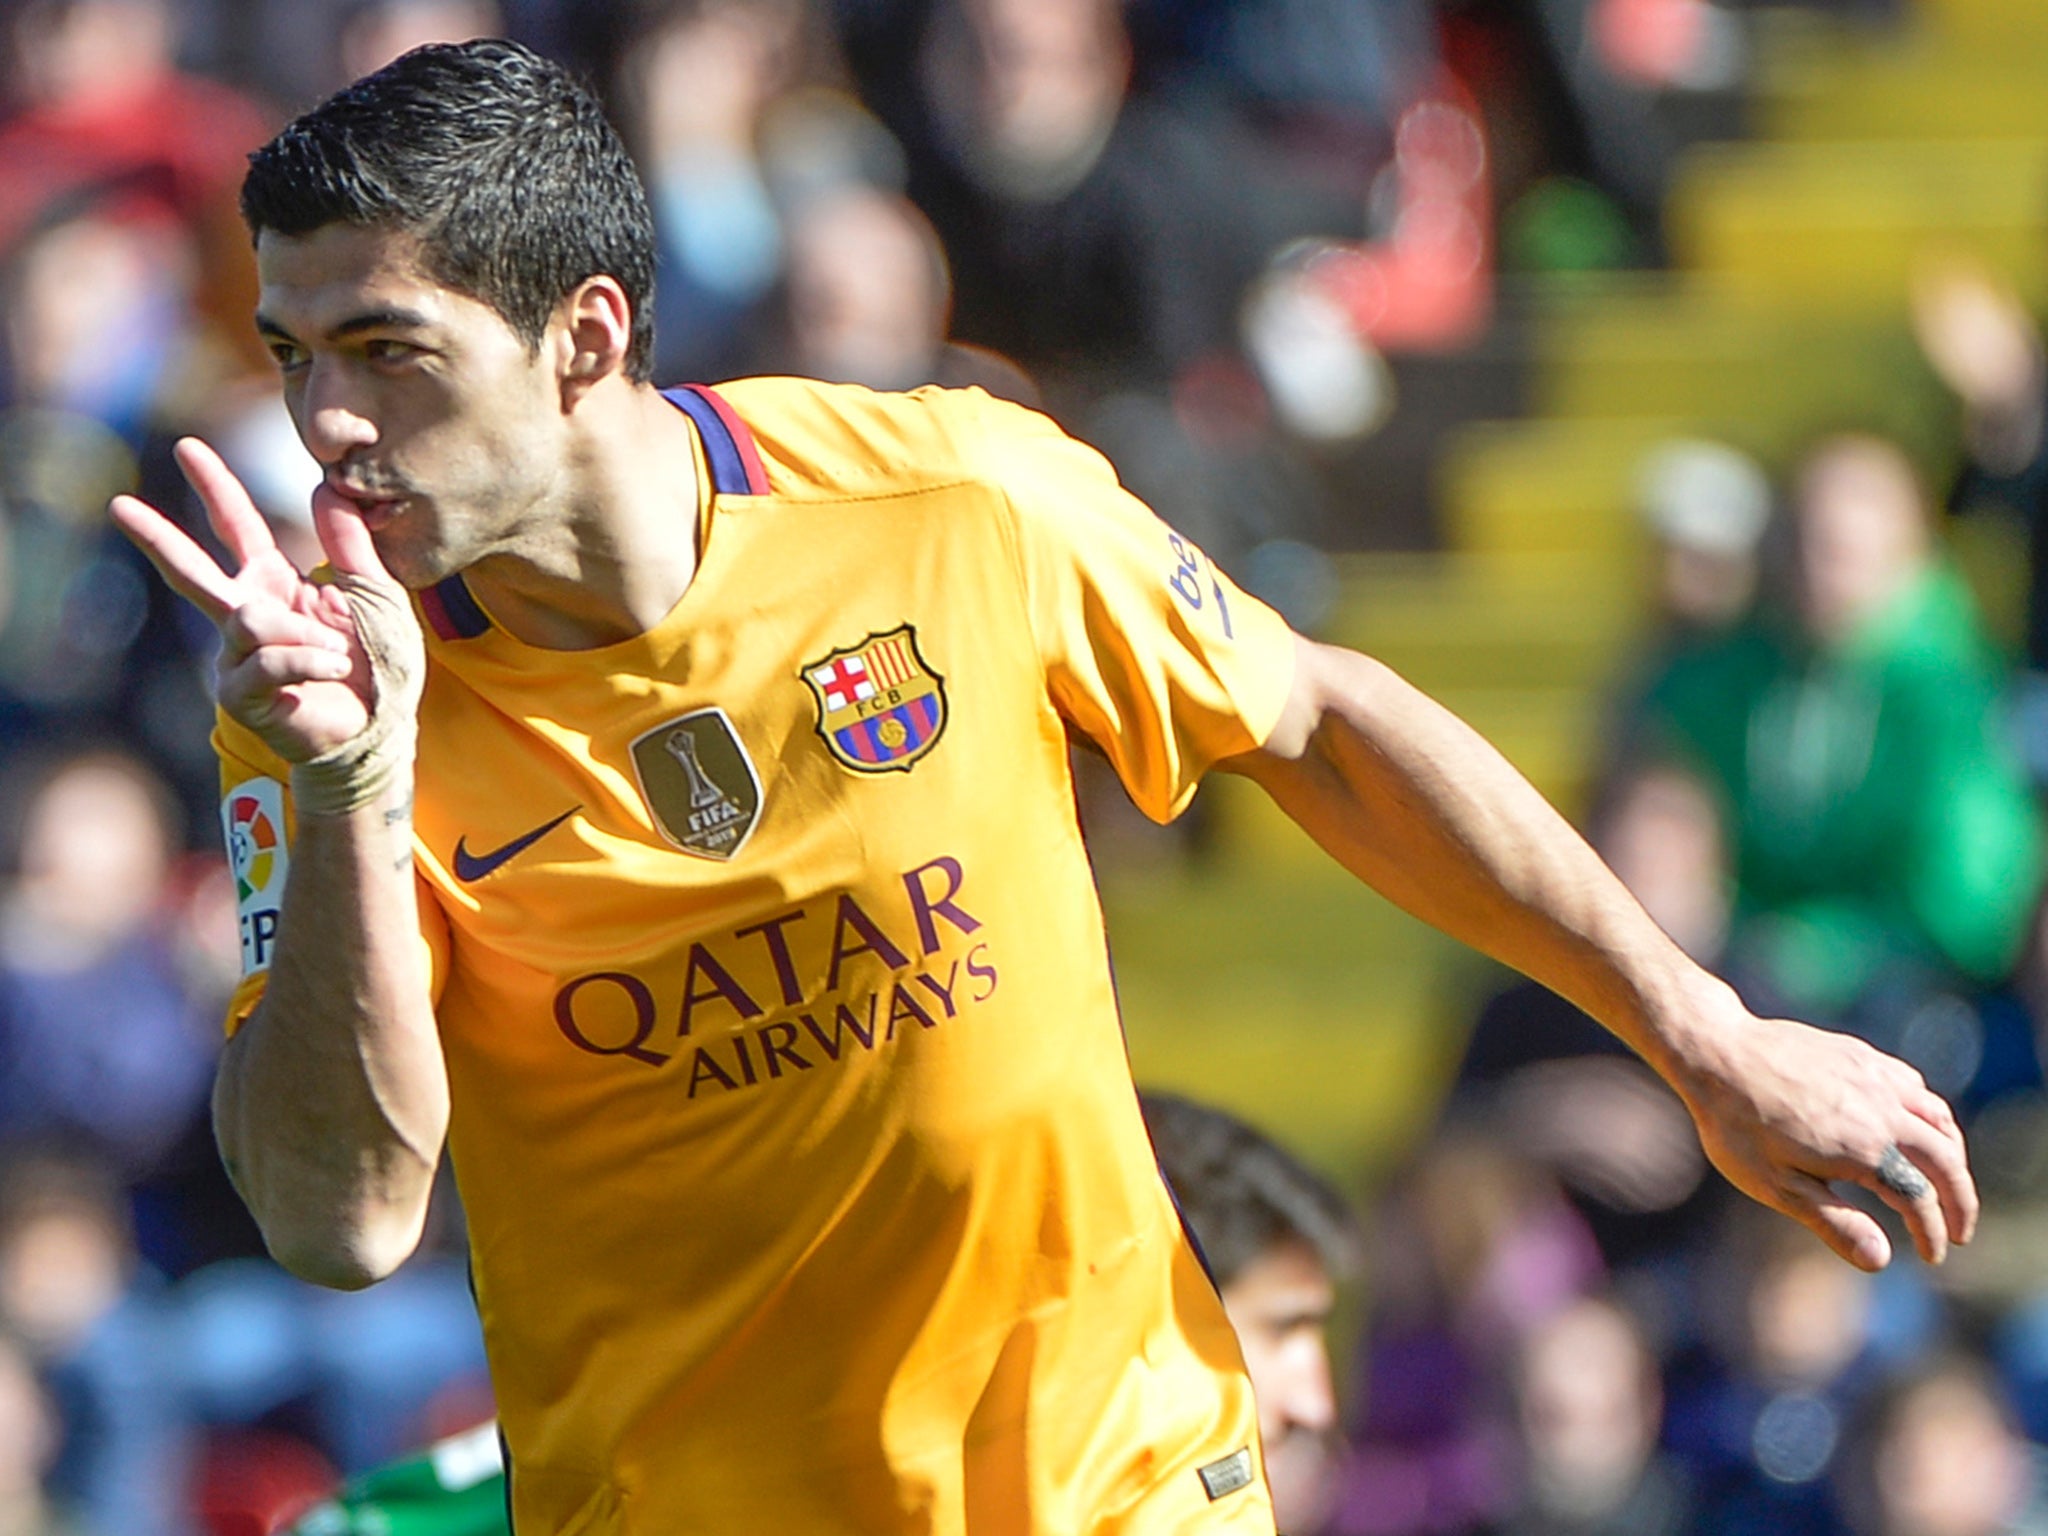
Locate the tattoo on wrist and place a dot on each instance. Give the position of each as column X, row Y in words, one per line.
column 398, row 820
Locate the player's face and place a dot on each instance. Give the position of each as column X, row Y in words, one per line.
column 1280, row 1306
column 432, row 419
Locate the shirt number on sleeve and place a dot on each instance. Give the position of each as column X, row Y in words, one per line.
column 1191, row 573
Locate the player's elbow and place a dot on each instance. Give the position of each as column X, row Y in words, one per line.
column 325, row 1227
column 341, row 1255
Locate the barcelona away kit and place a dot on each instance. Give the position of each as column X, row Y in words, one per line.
column 806, row 1185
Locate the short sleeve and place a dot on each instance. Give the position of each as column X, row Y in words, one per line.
column 1149, row 650
column 256, row 822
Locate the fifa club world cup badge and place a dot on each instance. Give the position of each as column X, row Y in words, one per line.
column 699, row 783
column 880, row 705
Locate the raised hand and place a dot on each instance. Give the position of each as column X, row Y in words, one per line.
column 1785, row 1109
column 1977, row 335
column 293, row 666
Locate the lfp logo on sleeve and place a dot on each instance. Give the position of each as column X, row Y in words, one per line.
column 252, row 817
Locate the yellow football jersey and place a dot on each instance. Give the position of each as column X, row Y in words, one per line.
column 806, row 1184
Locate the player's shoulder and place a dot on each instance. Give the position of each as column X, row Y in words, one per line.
column 826, row 440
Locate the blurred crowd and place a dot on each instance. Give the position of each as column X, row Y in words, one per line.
column 1203, row 234
column 1822, row 778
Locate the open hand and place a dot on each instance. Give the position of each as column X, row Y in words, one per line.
column 1978, row 336
column 1785, row 1109
column 292, row 666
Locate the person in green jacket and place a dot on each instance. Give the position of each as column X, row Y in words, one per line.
column 1884, row 839
column 455, row 1487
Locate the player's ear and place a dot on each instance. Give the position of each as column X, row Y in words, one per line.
column 596, row 330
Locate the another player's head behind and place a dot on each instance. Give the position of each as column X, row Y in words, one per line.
column 1277, row 1240
column 496, row 160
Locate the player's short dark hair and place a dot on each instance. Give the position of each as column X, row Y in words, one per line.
column 497, row 160
column 1241, row 1194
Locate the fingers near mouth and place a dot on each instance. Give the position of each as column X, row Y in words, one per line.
column 373, row 511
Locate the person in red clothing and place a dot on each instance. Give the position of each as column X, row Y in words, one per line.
column 94, row 104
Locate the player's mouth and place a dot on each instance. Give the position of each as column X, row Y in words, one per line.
column 375, row 508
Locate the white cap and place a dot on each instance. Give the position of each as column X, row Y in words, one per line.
column 1704, row 496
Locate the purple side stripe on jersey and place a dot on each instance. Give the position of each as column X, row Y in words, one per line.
column 452, row 612
column 736, row 468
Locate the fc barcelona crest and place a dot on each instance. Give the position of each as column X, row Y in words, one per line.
column 699, row 783
column 880, row 706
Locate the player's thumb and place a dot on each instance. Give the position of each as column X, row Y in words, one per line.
column 343, row 538
column 1851, row 1233
column 380, row 607
column 363, row 769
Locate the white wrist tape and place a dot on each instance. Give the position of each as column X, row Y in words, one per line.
column 362, row 769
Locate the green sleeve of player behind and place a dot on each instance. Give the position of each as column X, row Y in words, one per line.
column 455, row 1489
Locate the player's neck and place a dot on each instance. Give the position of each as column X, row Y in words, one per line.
column 623, row 548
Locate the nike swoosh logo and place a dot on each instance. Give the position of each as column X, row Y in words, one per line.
column 474, row 866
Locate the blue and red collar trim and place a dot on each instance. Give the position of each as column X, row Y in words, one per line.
column 736, row 470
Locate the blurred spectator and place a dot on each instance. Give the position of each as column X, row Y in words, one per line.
column 1589, row 1406
column 698, row 85
column 1567, row 1094
column 1475, row 1248
column 1278, row 1241
column 28, row 1444
column 95, row 103
column 97, row 313
column 1706, row 506
column 1981, row 340
column 1886, row 848
column 1329, row 77
column 98, row 1335
column 187, row 1214
column 868, row 296
column 1093, row 232
column 1793, row 1340
column 374, row 32
column 1983, row 343
column 88, row 645
column 1936, row 1453
column 455, row 1487
column 102, row 1041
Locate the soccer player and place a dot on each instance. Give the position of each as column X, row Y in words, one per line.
column 1277, row 1241
column 662, row 800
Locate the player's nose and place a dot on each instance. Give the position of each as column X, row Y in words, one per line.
column 332, row 421
column 1309, row 1400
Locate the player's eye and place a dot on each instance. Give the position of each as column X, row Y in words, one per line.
column 385, row 349
column 287, row 355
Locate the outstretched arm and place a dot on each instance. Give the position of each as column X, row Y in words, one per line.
column 1421, row 808
column 331, row 1102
